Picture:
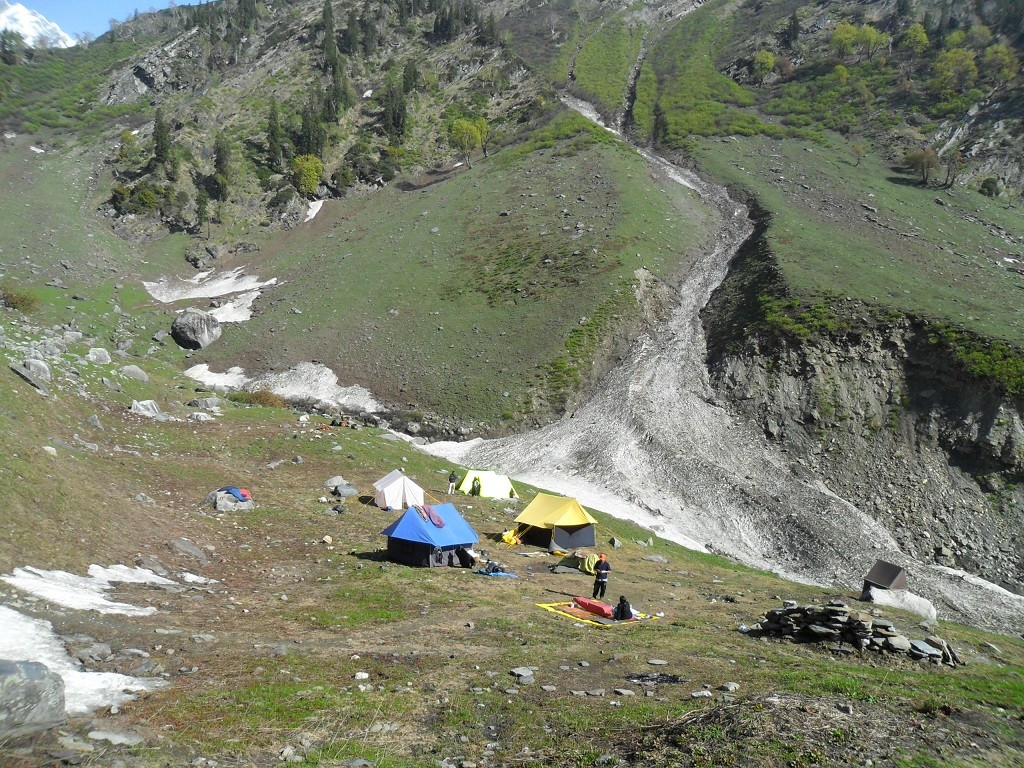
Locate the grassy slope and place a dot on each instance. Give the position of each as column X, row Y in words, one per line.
column 939, row 261
column 454, row 318
column 445, row 637
column 604, row 62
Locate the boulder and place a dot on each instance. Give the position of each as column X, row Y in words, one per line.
column 225, row 502
column 134, row 372
column 98, row 355
column 31, row 699
column 149, row 408
column 195, row 329
column 38, row 368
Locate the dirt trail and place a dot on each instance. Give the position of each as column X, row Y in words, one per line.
column 653, row 446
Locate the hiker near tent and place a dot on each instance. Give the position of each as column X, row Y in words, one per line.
column 451, row 482
column 623, row 611
column 601, row 571
column 475, row 489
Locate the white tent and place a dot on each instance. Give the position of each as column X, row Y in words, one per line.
column 396, row 491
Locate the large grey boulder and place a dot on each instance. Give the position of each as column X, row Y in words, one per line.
column 31, row 699
column 195, row 329
column 150, row 409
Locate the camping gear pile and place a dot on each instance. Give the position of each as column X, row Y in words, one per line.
column 230, row 498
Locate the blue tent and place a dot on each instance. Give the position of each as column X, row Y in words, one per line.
column 417, row 539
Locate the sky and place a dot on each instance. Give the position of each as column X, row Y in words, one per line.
column 75, row 16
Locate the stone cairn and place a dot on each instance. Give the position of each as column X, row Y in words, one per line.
column 850, row 630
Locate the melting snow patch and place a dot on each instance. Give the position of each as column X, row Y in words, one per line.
column 232, row 378
column 977, row 581
column 205, row 285
column 317, row 381
column 23, row 638
column 238, row 310
column 191, row 578
column 37, row 150
column 908, row 601
column 305, row 381
column 84, row 592
column 314, row 209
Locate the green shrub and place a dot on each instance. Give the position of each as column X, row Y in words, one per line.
column 24, row 302
column 261, row 397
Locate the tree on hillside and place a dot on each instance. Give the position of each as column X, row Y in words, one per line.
column 393, row 116
column 330, row 45
column 763, row 65
column 312, row 136
column 464, row 137
column 954, row 164
column 161, row 138
column 791, row 34
column 128, row 152
column 275, row 137
column 870, row 40
column 410, row 77
column 484, row 130
column 858, row 152
column 843, row 39
column 221, row 165
column 923, row 162
column 915, row 40
column 306, row 173
column 999, row 63
column 350, row 37
column 955, row 71
column 904, row 9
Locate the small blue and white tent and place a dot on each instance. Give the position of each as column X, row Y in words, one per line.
column 429, row 535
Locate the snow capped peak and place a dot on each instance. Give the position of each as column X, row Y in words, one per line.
column 33, row 27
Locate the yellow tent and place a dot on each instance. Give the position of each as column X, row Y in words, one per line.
column 492, row 485
column 557, row 522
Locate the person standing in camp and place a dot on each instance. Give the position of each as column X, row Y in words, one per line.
column 474, row 489
column 601, row 571
column 451, row 482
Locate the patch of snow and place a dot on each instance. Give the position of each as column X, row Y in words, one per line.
column 233, row 378
column 314, row 209
column 238, row 310
column 204, row 285
column 38, row 150
column 320, row 383
column 84, row 592
column 305, row 381
column 23, row 638
column 977, row 581
column 907, row 601
column 368, row 94
column 191, row 578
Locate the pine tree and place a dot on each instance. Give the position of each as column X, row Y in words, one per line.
column 330, row 44
column 275, row 137
column 161, row 138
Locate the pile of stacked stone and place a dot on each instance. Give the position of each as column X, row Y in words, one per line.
column 851, row 630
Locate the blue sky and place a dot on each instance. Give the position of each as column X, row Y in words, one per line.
column 75, row 16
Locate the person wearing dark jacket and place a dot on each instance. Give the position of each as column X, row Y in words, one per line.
column 623, row 611
column 601, row 571
column 451, row 482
